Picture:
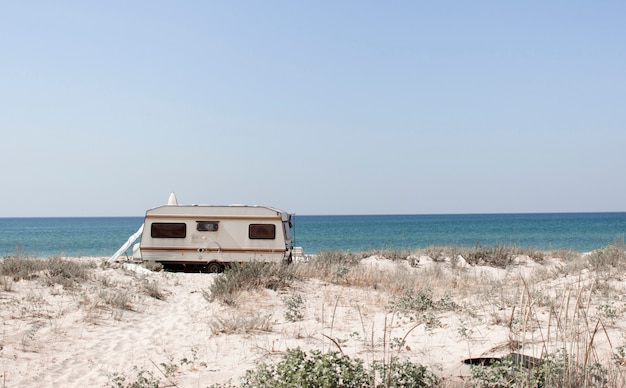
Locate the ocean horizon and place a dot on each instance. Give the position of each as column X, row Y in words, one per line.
column 102, row 236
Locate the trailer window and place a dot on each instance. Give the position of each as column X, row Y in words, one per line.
column 262, row 231
column 168, row 230
column 207, row 226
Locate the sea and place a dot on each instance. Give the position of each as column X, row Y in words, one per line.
column 102, row 236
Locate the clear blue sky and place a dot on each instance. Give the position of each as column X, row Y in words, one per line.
column 325, row 107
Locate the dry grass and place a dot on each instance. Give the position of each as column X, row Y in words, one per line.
column 152, row 289
column 6, row 283
column 242, row 323
column 248, row 276
column 21, row 267
column 52, row 271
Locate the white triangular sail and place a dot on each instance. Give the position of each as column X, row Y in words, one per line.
column 127, row 244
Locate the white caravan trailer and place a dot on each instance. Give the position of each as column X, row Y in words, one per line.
column 212, row 236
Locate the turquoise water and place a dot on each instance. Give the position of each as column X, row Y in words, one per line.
column 84, row 236
column 577, row 231
column 102, row 236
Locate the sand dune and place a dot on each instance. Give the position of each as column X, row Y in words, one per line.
column 112, row 325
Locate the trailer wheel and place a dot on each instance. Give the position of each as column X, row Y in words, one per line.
column 214, row 267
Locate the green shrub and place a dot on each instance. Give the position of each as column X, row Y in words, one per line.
column 552, row 370
column 294, row 304
column 142, row 379
column 414, row 302
column 333, row 369
column 316, row 369
column 398, row 374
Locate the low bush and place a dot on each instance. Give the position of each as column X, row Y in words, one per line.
column 142, row 379
column 249, row 276
column 412, row 301
column 294, row 306
column 552, row 370
column 607, row 258
column 6, row 283
column 21, row 267
column 66, row 272
column 441, row 253
column 55, row 270
column 333, row 369
column 120, row 299
column 498, row 256
column 396, row 374
column 239, row 323
column 153, row 266
column 331, row 266
column 152, row 289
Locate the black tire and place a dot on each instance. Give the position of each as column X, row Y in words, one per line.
column 214, row 267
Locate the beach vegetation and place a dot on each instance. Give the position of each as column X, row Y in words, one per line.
column 342, row 268
column 552, row 370
column 566, row 255
column 442, row 253
column 335, row 369
column 145, row 378
column 388, row 253
column 241, row 323
column 331, row 266
column 118, row 299
column 142, row 378
column 152, row 265
column 152, row 289
column 64, row 272
column 294, row 307
column 608, row 258
column 565, row 313
column 19, row 267
column 415, row 303
column 246, row 277
column 499, row 256
column 6, row 283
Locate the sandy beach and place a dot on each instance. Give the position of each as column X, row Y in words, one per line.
column 121, row 321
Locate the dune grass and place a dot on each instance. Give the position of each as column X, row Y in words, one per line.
column 67, row 273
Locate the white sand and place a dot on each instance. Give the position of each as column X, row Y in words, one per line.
column 56, row 337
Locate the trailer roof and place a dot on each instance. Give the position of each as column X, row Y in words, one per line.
column 215, row 210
